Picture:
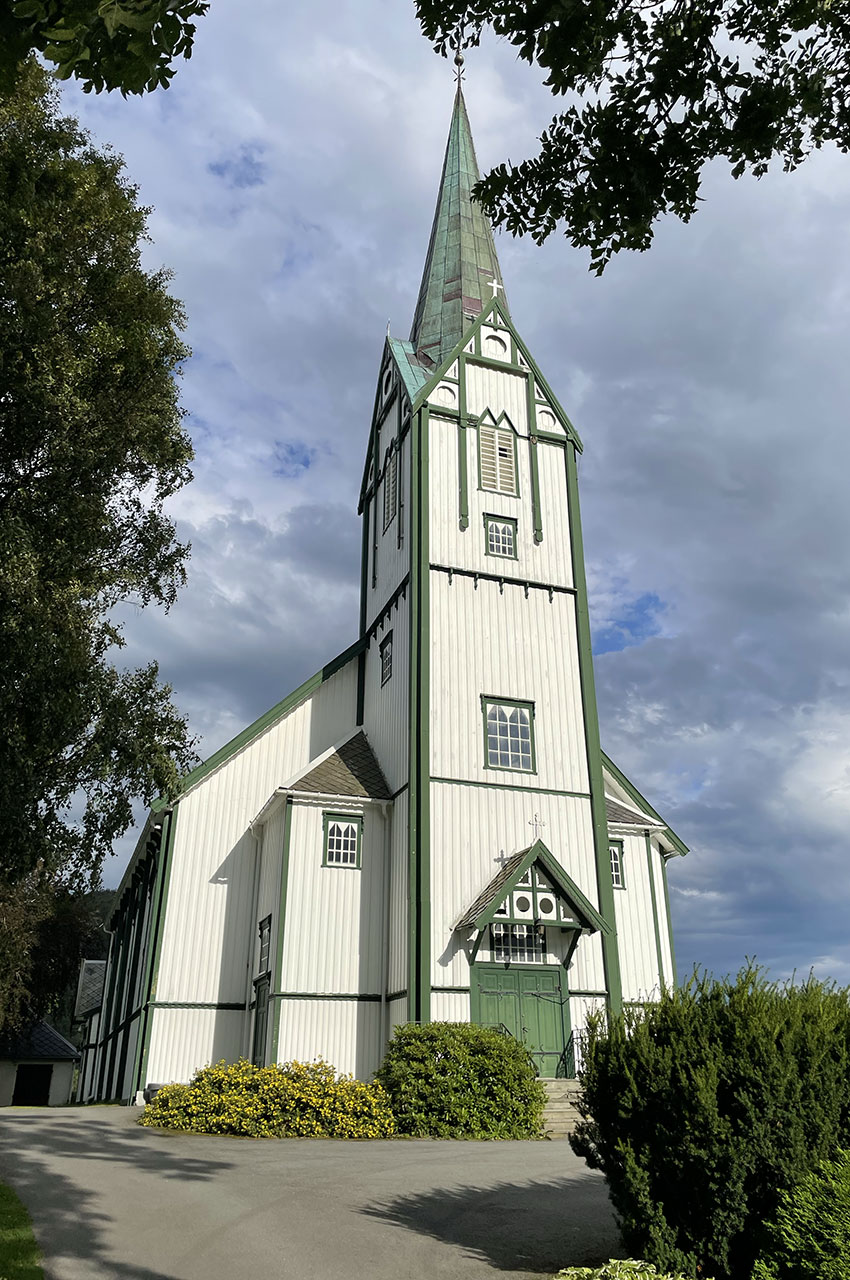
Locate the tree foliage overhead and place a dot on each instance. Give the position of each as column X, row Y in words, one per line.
column 106, row 44
column 662, row 88
column 91, row 447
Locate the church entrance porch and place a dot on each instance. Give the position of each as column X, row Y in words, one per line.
column 530, row 1002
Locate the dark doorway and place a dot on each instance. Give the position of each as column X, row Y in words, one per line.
column 32, row 1084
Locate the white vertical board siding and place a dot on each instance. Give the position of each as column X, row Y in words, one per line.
column 125, row 1086
column 398, row 958
column 554, row 553
column 268, row 893
column 60, row 1084
column 450, row 1006
column 334, row 928
column 503, row 643
column 635, row 931
column 587, row 970
column 581, row 1007
column 346, row 1033
column 498, row 390
column 184, row 1039
column 211, row 890
column 470, row 828
column 386, row 712
column 666, row 950
column 396, row 1014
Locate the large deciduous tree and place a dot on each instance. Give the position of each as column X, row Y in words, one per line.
column 659, row 88
column 106, row 44
column 91, row 447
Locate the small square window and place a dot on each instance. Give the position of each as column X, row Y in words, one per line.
column 390, row 489
column 386, row 652
column 500, row 535
column 343, row 835
column 509, row 735
column 618, row 878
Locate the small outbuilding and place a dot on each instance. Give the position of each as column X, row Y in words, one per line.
column 36, row 1068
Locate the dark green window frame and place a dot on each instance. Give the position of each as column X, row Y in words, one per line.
column 345, row 819
column 385, row 654
column 264, row 957
column 618, row 869
column 487, row 701
column 500, row 555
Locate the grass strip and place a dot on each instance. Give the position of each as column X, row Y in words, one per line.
column 19, row 1253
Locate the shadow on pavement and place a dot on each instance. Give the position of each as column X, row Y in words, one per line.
column 530, row 1226
column 67, row 1225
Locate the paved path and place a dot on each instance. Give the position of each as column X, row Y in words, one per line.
column 111, row 1200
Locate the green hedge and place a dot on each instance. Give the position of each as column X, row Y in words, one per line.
column 618, row 1269
column 454, row 1080
column 810, row 1239
column 702, row 1109
column 294, row 1100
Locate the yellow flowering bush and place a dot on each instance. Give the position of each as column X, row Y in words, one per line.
column 293, row 1100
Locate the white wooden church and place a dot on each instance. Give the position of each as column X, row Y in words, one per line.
column 428, row 828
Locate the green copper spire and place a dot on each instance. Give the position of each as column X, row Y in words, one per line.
column 461, row 260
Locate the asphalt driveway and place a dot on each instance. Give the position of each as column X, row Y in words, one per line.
column 111, row 1200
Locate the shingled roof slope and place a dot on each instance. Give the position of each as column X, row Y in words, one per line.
column 40, row 1041
column 90, row 987
column 496, row 889
column 622, row 817
column 351, row 770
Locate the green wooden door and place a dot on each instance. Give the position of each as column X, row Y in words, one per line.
column 529, row 1001
column 261, row 1022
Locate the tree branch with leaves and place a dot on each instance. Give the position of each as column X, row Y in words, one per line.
column 658, row 90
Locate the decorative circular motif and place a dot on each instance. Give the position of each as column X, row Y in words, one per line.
column 546, row 419
column 546, row 905
column 523, row 903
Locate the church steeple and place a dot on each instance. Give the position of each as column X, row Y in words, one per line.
column 461, row 259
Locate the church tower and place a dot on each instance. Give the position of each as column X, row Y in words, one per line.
column 427, row 829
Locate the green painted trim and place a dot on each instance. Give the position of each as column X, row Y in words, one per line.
column 234, row 1006
column 655, row 923
column 491, row 519
column 324, row 995
column 396, row 995
column 281, row 922
column 547, row 437
column 584, row 909
column 610, row 950
column 643, row 803
column 462, row 473
column 349, row 818
column 587, row 994
column 419, row 872
column 512, row 786
column 490, row 700
column 536, row 510
column 492, row 966
column 529, row 584
column 165, row 861
column 395, row 794
column 452, row 991
column 385, row 610
column 669, row 920
column 277, row 712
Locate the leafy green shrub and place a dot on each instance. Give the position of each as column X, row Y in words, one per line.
column 810, row 1239
column 454, row 1080
column 703, row 1108
column 294, row 1100
column 617, row 1269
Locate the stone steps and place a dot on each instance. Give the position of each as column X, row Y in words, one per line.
column 560, row 1114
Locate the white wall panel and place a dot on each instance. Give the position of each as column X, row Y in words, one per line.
column 386, row 707
column 393, row 558
column 60, row 1084
column 499, row 391
column 503, row 643
column 450, row 1006
column 581, row 1007
column 666, row 950
column 184, row 1039
column 396, row 1014
column 472, row 829
column 346, row 1033
column 587, row 971
column 635, row 929
column 335, row 916
column 211, row 891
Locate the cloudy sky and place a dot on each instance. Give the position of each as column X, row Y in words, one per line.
column 293, row 168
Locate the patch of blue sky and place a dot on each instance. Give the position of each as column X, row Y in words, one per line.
column 245, row 168
column 638, row 621
column 292, row 458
